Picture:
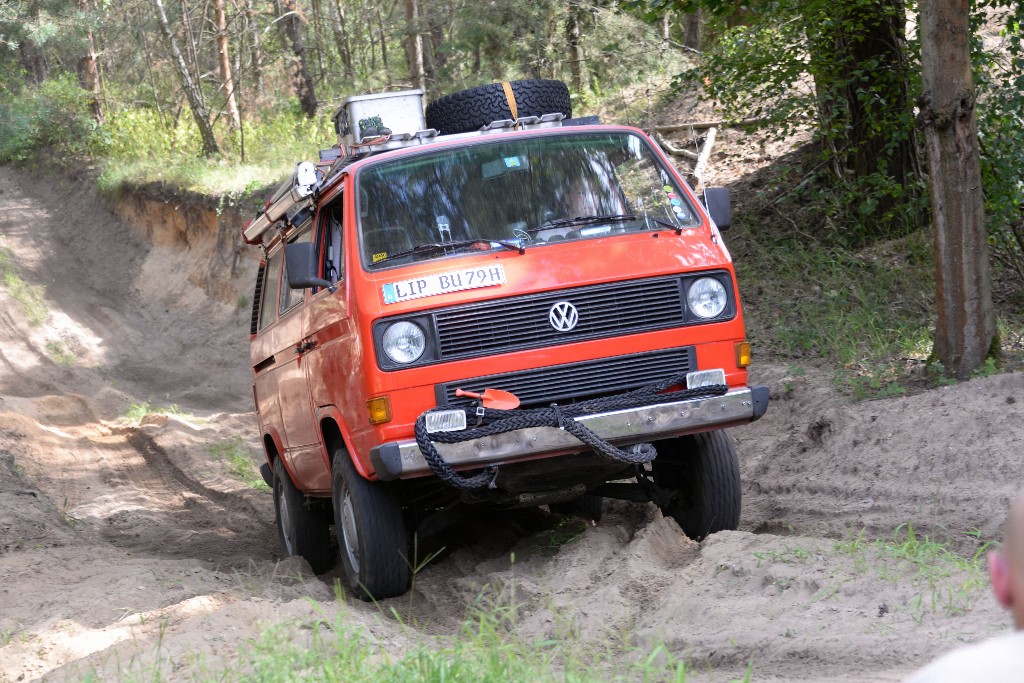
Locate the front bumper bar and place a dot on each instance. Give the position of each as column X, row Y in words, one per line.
column 399, row 459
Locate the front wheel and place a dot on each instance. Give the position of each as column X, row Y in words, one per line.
column 702, row 475
column 303, row 525
column 371, row 533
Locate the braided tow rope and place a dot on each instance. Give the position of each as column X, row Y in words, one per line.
column 564, row 417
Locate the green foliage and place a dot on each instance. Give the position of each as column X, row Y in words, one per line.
column 843, row 71
column 1000, row 109
column 142, row 151
column 56, row 114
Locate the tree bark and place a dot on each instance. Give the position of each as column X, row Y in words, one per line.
column 966, row 323
column 32, row 60
column 383, row 47
column 692, row 30
column 195, row 102
column 192, row 47
column 255, row 49
column 224, row 62
column 338, row 21
column 414, row 49
column 572, row 39
column 301, row 82
column 88, row 69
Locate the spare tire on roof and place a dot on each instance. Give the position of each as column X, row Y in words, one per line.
column 469, row 110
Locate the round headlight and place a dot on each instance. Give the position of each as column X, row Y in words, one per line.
column 707, row 297
column 404, row 342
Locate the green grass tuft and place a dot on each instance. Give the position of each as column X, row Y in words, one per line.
column 31, row 298
column 943, row 580
column 60, row 352
column 137, row 411
column 238, row 458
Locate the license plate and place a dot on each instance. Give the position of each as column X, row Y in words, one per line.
column 705, row 378
column 443, row 283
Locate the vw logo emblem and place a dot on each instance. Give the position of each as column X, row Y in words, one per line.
column 563, row 316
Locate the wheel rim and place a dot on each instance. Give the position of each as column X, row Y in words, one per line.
column 350, row 535
column 285, row 515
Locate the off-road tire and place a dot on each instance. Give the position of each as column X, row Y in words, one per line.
column 469, row 110
column 587, row 506
column 374, row 563
column 303, row 524
column 702, row 473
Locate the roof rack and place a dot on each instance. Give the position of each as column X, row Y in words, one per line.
column 302, row 190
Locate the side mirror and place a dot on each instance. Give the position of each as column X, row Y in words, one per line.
column 300, row 264
column 719, row 206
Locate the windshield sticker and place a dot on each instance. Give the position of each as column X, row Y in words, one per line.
column 443, row 283
column 380, row 256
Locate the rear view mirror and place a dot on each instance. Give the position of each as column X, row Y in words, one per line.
column 719, row 206
column 300, row 265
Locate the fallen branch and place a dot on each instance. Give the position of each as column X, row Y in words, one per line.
column 703, row 125
column 705, row 154
column 675, row 151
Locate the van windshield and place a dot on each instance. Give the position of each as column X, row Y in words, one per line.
column 524, row 191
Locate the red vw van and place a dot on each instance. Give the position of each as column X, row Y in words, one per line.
column 516, row 309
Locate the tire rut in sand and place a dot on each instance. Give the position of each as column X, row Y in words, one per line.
column 174, row 514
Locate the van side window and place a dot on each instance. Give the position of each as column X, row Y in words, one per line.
column 271, row 284
column 290, row 297
column 334, row 262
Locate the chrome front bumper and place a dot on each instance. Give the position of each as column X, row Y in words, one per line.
column 399, row 459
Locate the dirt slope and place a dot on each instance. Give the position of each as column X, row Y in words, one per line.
column 126, row 548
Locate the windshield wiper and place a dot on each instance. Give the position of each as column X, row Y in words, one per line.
column 665, row 224
column 584, row 220
column 431, row 247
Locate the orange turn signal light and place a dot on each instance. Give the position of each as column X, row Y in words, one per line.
column 379, row 409
column 742, row 354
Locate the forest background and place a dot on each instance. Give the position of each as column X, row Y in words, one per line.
column 832, row 239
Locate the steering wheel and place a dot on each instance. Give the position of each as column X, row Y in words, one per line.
column 522, row 234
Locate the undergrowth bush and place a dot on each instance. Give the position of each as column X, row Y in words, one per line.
column 1000, row 76
column 55, row 114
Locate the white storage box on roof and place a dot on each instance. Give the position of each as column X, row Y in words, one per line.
column 363, row 116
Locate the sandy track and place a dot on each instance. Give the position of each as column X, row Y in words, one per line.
column 115, row 538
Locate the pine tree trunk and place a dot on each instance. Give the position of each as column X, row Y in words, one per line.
column 383, row 47
column 301, row 82
column 341, row 38
column 195, row 102
column 224, row 62
column 572, row 39
column 966, row 324
column 33, row 61
column 414, row 49
column 88, row 68
column 255, row 49
column 692, row 30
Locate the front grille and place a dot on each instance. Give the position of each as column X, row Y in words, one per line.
column 522, row 322
column 577, row 381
